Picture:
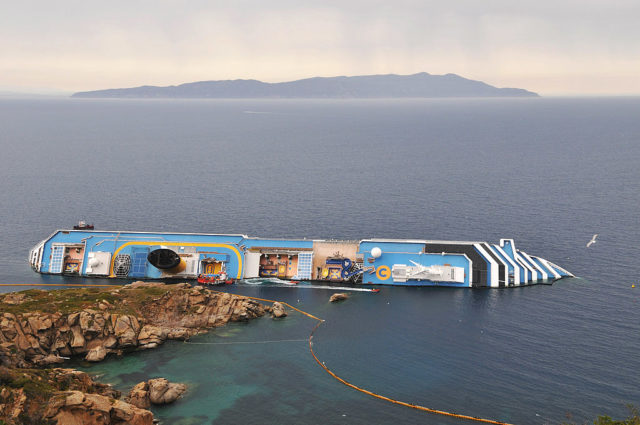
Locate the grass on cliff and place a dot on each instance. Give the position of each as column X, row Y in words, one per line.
column 34, row 382
column 65, row 301
column 632, row 419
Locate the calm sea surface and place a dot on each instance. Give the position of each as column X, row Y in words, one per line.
column 547, row 172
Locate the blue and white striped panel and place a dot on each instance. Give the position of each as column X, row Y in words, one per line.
column 543, row 274
column 305, row 263
column 546, row 267
column 514, row 269
column 57, row 258
column 139, row 264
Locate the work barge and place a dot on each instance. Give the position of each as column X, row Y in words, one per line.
column 220, row 257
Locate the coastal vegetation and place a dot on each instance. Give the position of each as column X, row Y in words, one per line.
column 67, row 301
column 632, row 419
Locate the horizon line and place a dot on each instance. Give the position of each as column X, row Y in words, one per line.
column 16, row 94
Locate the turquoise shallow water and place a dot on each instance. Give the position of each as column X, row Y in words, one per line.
column 547, row 172
column 244, row 372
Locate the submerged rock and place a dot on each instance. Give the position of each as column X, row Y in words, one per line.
column 340, row 296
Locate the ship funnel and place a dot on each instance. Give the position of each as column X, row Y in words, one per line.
column 166, row 260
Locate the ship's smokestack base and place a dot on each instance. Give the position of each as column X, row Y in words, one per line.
column 166, row 260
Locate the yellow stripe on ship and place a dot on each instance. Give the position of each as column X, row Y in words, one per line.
column 163, row 243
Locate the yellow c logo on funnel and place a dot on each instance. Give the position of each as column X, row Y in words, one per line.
column 383, row 272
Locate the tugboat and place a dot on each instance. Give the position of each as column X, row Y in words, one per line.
column 82, row 225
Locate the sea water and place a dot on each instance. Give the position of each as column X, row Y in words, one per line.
column 549, row 173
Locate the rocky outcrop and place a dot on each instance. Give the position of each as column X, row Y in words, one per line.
column 142, row 315
column 13, row 404
column 76, row 407
column 340, row 296
column 155, row 391
column 125, row 330
column 62, row 396
column 278, row 310
column 14, row 298
column 96, row 354
column 139, row 395
column 162, row 391
column 151, row 336
column 40, row 328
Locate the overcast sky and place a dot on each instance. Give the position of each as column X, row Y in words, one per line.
column 554, row 47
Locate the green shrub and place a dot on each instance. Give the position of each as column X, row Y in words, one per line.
column 633, row 419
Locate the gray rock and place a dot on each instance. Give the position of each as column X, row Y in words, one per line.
column 162, row 391
column 51, row 359
column 96, row 354
column 139, row 396
column 338, row 297
column 278, row 310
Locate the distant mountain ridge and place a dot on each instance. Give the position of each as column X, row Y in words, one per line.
column 419, row 85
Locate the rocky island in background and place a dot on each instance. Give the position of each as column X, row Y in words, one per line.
column 421, row 85
column 41, row 329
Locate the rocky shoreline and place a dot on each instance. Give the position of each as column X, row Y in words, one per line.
column 39, row 329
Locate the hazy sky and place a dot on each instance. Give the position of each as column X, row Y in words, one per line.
column 551, row 47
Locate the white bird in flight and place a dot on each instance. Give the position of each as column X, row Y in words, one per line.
column 592, row 241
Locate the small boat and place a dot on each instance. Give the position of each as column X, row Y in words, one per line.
column 204, row 279
column 375, row 290
column 82, row 225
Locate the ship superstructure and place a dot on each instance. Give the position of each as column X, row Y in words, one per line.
column 145, row 255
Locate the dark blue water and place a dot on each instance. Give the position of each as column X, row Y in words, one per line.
column 548, row 172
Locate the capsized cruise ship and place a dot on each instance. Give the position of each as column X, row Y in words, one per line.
column 144, row 255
